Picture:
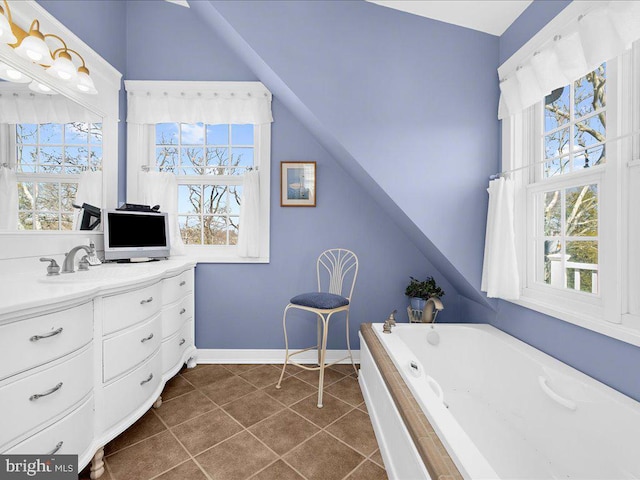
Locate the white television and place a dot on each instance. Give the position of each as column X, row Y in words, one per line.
column 133, row 235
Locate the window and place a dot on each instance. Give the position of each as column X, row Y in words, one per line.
column 49, row 158
column 576, row 229
column 210, row 135
column 209, row 161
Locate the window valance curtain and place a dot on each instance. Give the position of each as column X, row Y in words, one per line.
column 20, row 105
column 194, row 102
column 600, row 34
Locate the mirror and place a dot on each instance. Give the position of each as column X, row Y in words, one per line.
column 53, row 133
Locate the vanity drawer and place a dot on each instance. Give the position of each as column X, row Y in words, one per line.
column 174, row 316
column 126, row 350
column 174, row 347
column 126, row 309
column 29, row 343
column 71, row 435
column 124, row 396
column 173, row 288
column 30, row 401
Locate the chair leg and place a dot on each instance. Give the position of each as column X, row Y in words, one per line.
column 349, row 346
column 286, row 346
column 323, row 354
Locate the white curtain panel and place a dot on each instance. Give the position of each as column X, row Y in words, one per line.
column 500, row 277
column 249, row 234
column 161, row 188
column 18, row 104
column 598, row 36
column 8, row 199
column 192, row 107
column 89, row 191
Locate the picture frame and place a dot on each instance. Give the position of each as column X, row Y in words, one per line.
column 297, row 184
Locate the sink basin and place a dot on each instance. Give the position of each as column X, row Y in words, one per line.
column 100, row 274
column 73, row 278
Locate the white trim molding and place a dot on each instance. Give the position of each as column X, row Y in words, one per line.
column 261, row 356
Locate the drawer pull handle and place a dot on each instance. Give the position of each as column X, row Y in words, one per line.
column 36, row 396
column 148, row 300
column 55, row 450
column 146, row 339
column 147, row 380
column 182, row 311
column 35, row 338
column 183, row 283
column 181, row 342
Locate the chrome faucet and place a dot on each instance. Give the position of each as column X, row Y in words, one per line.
column 69, row 259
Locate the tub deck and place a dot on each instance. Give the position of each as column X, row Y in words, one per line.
column 433, row 453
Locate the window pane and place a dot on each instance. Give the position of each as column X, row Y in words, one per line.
column 556, row 108
column 242, row 134
column 590, row 131
column 192, row 133
column 189, row 198
column 95, row 158
column 556, row 144
column 51, row 133
column 192, row 157
column 190, row 229
column 48, row 197
column 26, row 157
column 76, row 133
column 47, row 221
column 167, row 134
column 559, row 166
column 553, row 263
column 582, row 211
column 25, row 220
column 582, row 266
column 241, row 157
column 67, row 196
column 50, row 160
column 552, row 213
column 234, row 225
column 166, row 158
column 66, row 221
column 235, row 199
column 76, row 159
column 590, row 157
column 215, row 230
column 95, row 134
column 26, row 196
column 590, row 92
column 26, row 133
column 215, row 198
column 218, row 135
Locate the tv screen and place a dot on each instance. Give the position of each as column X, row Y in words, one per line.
column 130, row 234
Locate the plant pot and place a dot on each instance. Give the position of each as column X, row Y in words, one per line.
column 417, row 303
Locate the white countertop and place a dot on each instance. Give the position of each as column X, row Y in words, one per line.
column 31, row 290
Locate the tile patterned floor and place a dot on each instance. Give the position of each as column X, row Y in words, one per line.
column 229, row 422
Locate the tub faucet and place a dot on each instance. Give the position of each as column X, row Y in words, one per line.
column 431, row 309
column 389, row 322
column 68, row 264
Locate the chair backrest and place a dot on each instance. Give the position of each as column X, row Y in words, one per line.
column 337, row 271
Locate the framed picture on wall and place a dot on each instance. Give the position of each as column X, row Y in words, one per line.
column 297, row 184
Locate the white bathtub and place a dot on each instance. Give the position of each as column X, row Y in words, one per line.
column 503, row 409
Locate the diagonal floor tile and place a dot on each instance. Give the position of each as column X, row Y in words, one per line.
column 184, row 408
column 332, row 409
column 344, row 368
column 312, row 377
column 377, row 458
column 203, row 375
column 205, row 431
column 368, row 471
column 252, row 408
column 347, row 390
column 356, row 431
column 291, row 390
column 227, row 390
column 322, row 457
column 262, row 376
column 236, row 458
column 175, row 387
column 148, row 425
column 147, row 458
column 277, row 471
column 185, row 471
column 283, row 431
column 238, row 368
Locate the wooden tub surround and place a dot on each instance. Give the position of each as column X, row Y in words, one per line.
column 433, row 453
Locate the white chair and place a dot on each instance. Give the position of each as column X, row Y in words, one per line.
column 337, row 270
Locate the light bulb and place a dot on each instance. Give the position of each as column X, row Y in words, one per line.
column 10, row 74
column 84, row 83
column 41, row 88
column 34, row 48
column 63, row 68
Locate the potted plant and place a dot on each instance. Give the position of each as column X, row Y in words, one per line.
column 419, row 291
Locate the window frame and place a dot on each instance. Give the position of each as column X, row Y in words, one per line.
column 610, row 311
column 141, row 152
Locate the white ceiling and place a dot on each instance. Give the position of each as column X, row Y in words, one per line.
column 490, row 16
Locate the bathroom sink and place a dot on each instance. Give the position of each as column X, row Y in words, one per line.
column 73, row 278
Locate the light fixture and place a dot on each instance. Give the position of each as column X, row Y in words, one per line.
column 33, row 47
column 10, row 74
column 41, row 88
column 6, row 35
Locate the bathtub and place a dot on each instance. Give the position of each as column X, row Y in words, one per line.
column 495, row 407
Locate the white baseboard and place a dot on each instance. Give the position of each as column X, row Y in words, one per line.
column 223, row 355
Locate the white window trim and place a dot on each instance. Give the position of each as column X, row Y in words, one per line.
column 608, row 312
column 141, row 151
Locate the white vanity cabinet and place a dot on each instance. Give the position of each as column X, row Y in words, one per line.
column 74, row 376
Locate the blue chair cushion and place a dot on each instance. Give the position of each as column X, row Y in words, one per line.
column 324, row 301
